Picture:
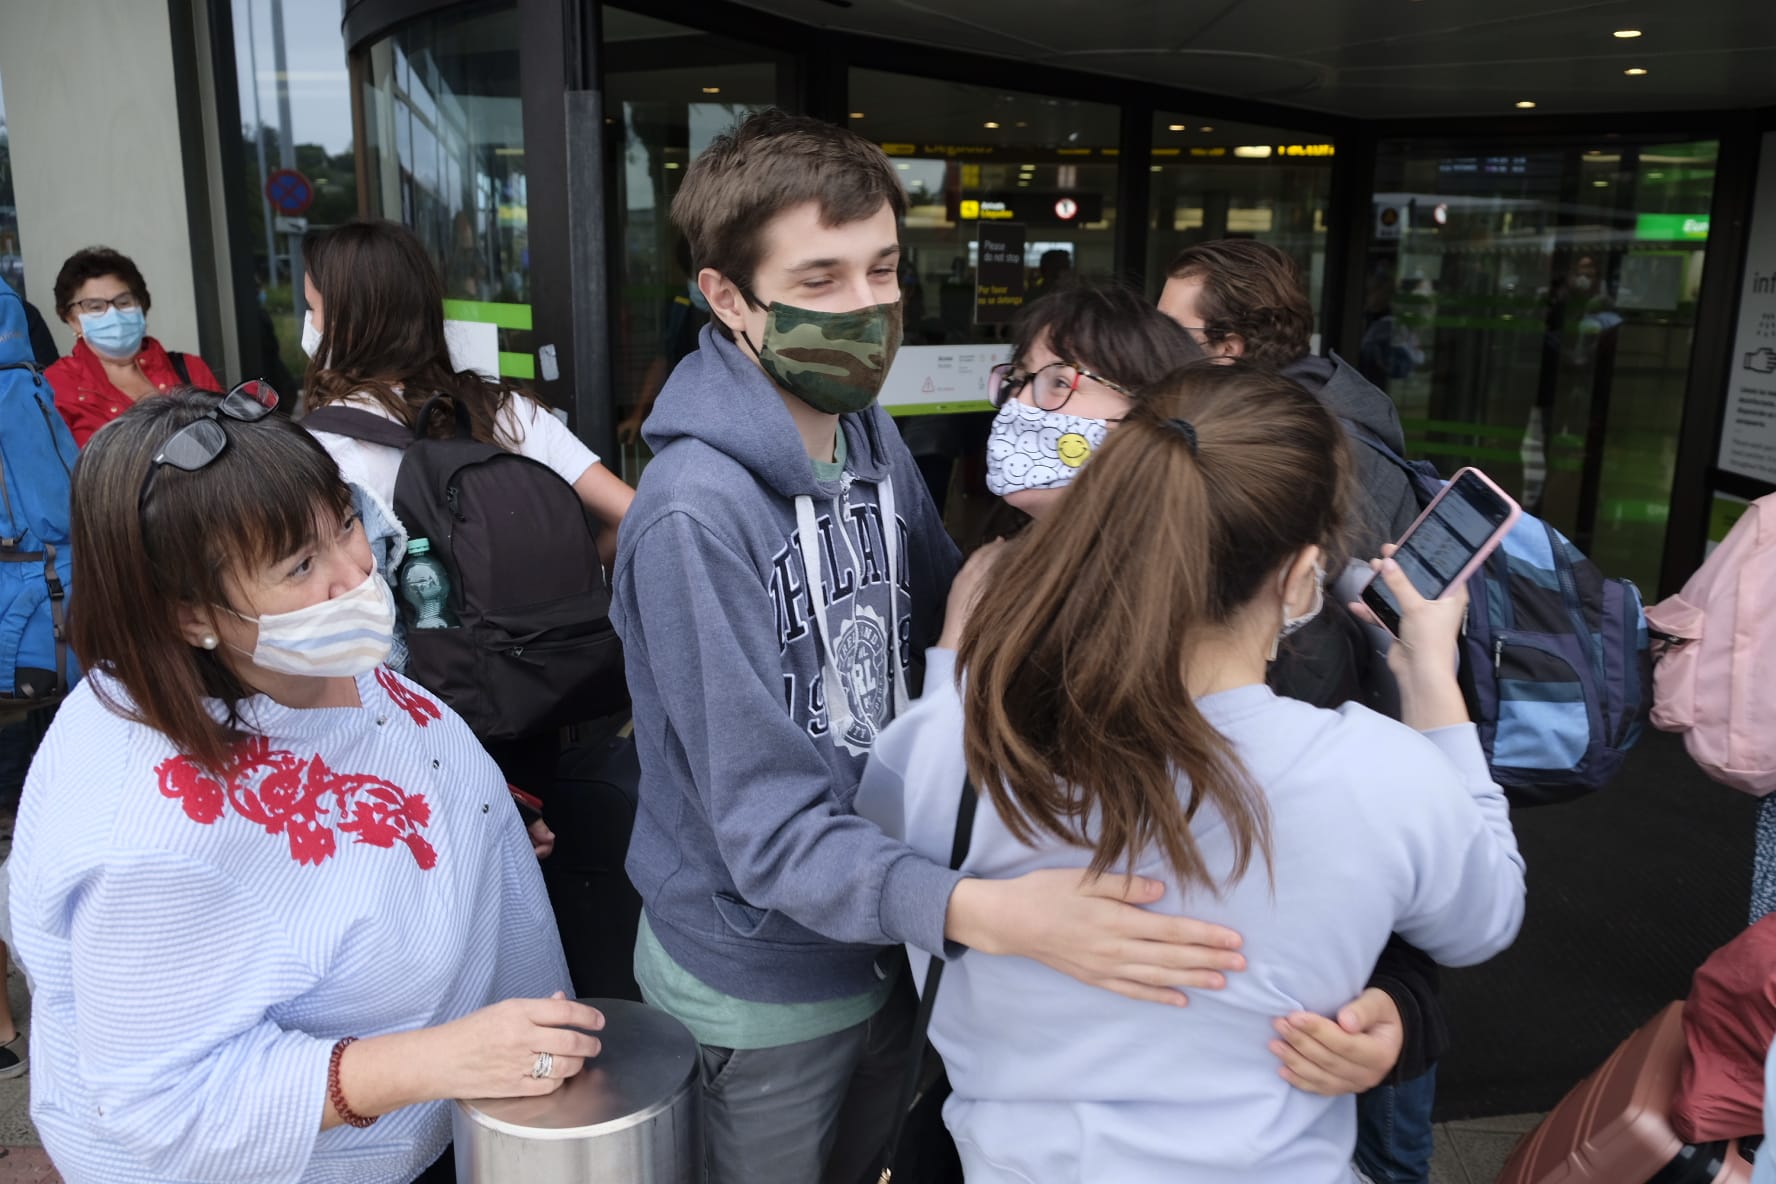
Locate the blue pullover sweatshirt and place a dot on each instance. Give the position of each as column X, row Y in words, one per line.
column 769, row 620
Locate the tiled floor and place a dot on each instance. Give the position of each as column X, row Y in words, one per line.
column 1473, row 1151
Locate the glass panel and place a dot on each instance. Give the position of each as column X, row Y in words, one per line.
column 1007, row 193
column 444, row 131
column 669, row 91
column 12, row 261
column 973, row 157
column 1213, row 179
column 1531, row 309
column 296, row 114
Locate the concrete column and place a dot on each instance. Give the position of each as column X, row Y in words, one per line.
column 93, row 119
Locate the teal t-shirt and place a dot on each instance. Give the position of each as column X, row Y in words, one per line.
column 727, row 1022
column 833, row 469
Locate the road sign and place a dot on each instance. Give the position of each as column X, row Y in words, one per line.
column 289, row 192
column 290, row 225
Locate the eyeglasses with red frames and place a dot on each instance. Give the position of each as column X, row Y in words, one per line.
column 1050, row 386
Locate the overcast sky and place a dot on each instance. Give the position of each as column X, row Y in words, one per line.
column 320, row 94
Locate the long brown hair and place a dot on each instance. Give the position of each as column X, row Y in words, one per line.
column 136, row 562
column 382, row 301
column 1079, row 722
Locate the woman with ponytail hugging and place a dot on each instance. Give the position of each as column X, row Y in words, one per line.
column 1109, row 702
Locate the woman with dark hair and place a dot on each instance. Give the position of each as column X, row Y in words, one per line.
column 276, row 902
column 1109, row 697
column 1079, row 356
column 375, row 336
column 101, row 296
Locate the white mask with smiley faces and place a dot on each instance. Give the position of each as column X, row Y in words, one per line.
column 1030, row 448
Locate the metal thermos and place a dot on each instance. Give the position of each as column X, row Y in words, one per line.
column 631, row 1116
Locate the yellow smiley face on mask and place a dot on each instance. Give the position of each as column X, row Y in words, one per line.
column 1073, row 449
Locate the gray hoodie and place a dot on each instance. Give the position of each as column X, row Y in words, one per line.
column 768, row 622
column 1385, row 504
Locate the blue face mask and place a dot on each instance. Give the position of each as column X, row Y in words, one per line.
column 115, row 333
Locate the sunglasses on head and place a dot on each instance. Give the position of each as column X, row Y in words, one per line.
column 203, row 439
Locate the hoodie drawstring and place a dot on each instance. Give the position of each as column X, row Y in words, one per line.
column 838, row 706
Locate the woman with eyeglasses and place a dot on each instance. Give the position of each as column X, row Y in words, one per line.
column 101, row 296
column 276, row 902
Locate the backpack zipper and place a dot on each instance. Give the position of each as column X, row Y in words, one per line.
column 1630, row 658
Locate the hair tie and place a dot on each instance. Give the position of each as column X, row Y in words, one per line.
column 1185, row 429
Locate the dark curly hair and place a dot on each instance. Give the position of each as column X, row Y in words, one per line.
column 1253, row 291
column 90, row 263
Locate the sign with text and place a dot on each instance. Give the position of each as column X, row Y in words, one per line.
column 1030, row 206
column 941, row 379
column 1748, row 437
column 999, row 275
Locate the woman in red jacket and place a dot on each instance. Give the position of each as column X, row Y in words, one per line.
column 101, row 296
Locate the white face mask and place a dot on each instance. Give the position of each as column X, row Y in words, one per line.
column 1029, row 448
column 311, row 336
column 1294, row 624
column 344, row 637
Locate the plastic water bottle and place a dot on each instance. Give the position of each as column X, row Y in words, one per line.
column 425, row 586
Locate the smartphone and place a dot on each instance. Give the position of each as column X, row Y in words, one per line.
column 1452, row 538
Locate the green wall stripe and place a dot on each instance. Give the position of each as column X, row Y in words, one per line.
column 517, row 365
column 1458, row 427
column 1501, row 455
column 489, row 312
column 939, row 408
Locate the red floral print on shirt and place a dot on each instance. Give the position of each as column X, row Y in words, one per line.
column 422, row 709
column 303, row 800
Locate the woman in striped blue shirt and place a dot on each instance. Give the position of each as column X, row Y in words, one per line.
column 275, row 901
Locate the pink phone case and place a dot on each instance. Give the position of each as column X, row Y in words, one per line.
column 1492, row 540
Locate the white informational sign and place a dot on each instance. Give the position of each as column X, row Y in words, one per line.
column 1748, row 438
column 941, row 379
column 474, row 345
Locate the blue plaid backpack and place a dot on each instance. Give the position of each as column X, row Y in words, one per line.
column 1554, row 659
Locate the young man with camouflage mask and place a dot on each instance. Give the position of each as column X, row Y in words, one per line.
column 777, row 575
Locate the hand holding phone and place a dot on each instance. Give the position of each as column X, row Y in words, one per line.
column 1424, row 657
column 1448, row 542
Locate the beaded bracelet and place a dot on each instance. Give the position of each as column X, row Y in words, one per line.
column 336, row 1095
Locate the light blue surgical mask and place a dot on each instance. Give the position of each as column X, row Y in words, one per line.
column 115, row 333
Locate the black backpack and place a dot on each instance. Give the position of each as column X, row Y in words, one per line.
column 534, row 648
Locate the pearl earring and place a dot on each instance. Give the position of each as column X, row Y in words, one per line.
column 208, row 641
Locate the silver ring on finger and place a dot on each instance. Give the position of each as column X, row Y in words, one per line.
column 545, row 1065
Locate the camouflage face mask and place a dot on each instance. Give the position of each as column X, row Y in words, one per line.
column 834, row 362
